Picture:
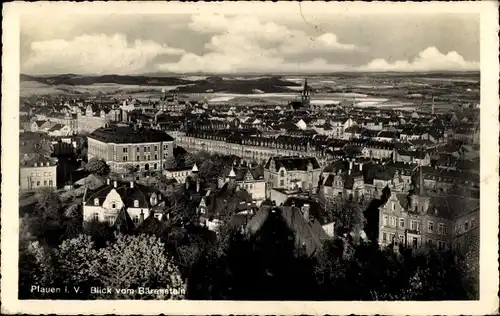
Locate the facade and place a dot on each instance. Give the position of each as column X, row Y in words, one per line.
column 36, row 173
column 122, row 146
column 419, row 219
column 292, row 172
column 139, row 201
column 179, row 174
column 248, row 178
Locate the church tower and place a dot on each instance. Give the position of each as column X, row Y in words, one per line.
column 306, row 95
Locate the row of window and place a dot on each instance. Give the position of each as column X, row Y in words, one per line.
column 35, row 184
column 39, row 174
column 146, row 148
column 41, row 164
column 465, row 226
column 138, row 158
column 113, row 205
column 391, row 221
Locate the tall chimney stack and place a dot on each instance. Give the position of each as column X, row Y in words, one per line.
column 115, row 184
column 305, row 211
column 108, row 181
column 131, row 184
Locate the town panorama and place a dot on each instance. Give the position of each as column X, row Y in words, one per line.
column 238, row 185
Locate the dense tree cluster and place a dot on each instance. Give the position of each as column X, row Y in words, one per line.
column 98, row 167
column 175, row 253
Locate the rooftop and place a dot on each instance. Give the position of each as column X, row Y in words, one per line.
column 127, row 135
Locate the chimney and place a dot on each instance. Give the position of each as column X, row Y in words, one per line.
column 197, row 184
column 108, row 181
column 305, row 211
column 131, row 184
column 350, row 165
column 360, row 166
column 141, row 217
column 349, row 172
column 115, row 184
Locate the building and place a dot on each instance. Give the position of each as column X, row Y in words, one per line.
column 292, row 172
column 106, row 202
column 247, row 177
column 122, row 146
column 37, row 172
column 420, row 219
column 180, row 174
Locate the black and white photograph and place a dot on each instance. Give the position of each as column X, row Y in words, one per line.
column 260, row 152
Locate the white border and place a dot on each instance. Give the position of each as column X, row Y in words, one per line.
column 489, row 276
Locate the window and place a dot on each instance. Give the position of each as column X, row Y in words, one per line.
column 282, row 173
column 125, row 158
column 138, row 158
column 392, row 239
column 393, row 206
column 401, row 222
column 110, row 219
column 430, row 227
column 113, row 205
column 44, row 182
column 125, row 149
column 415, row 242
column 393, row 221
column 51, row 183
column 38, row 183
column 466, row 225
column 384, row 237
column 442, row 229
column 138, row 149
column 50, row 174
column 401, row 239
column 33, row 173
column 156, row 157
column 414, row 225
column 441, row 244
column 45, row 174
column 135, row 219
column 96, row 201
column 95, row 216
column 429, row 242
column 38, row 173
column 282, row 182
column 136, row 203
column 156, row 148
column 385, row 219
column 149, row 157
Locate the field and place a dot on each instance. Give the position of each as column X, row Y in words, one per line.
column 390, row 90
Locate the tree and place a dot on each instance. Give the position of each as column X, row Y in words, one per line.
column 100, row 233
column 140, row 261
column 46, row 200
column 170, row 162
column 131, row 169
column 78, row 264
column 98, row 167
column 189, row 160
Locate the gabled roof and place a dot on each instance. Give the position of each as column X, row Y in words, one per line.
column 293, row 162
column 139, row 192
column 308, row 234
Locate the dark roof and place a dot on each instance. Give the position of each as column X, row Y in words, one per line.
column 39, row 160
column 139, row 192
column 445, row 206
column 123, row 222
column 126, row 134
column 293, row 162
column 307, row 233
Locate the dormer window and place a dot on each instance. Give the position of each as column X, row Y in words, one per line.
column 47, row 164
column 136, row 203
column 96, row 201
column 35, row 164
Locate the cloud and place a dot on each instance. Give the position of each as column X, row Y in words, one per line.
column 97, row 53
column 430, row 59
column 244, row 43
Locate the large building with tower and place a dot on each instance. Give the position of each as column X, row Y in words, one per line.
column 124, row 146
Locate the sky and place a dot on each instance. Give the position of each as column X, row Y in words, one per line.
column 242, row 42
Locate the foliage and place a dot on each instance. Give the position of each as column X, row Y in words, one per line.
column 171, row 163
column 188, row 160
column 98, row 167
column 128, row 263
column 100, row 233
column 350, row 217
column 140, row 261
